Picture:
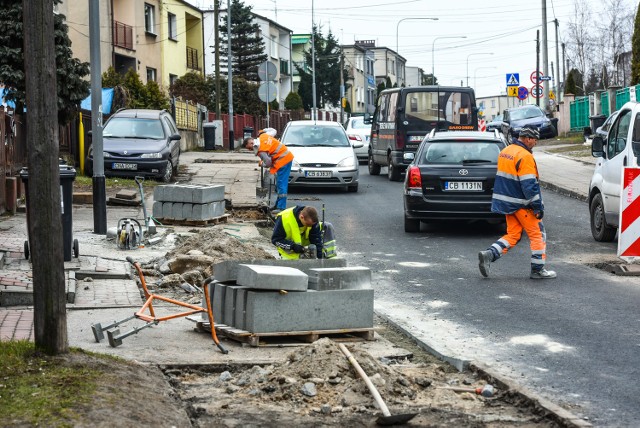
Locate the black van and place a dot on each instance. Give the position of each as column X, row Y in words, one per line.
column 404, row 116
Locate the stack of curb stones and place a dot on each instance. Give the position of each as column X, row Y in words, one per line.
column 184, row 202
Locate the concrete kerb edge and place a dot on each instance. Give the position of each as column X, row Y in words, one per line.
column 71, row 290
column 559, row 414
column 563, row 191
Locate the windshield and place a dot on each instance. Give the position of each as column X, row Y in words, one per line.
column 526, row 113
column 315, row 136
column 131, row 127
column 460, row 152
column 359, row 124
column 498, row 118
column 429, row 106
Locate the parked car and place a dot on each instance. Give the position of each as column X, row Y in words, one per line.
column 452, row 178
column 514, row 119
column 496, row 123
column 614, row 151
column 322, row 155
column 358, row 131
column 138, row 142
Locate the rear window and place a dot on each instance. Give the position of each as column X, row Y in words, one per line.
column 359, row 124
column 315, row 136
column 459, row 152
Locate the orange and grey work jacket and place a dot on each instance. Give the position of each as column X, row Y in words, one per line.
column 277, row 154
column 516, row 183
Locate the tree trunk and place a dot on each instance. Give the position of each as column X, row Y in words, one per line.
column 44, row 193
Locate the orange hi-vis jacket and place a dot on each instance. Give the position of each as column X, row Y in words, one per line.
column 277, row 151
column 516, row 184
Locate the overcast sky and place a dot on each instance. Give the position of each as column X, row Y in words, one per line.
column 500, row 35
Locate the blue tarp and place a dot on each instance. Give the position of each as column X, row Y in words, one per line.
column 3, row 92
column 107, row 100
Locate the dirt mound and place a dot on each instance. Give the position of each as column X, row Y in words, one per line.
column 220, row 246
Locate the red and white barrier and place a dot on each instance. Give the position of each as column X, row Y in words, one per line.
column 482, row 125
column 629, row 239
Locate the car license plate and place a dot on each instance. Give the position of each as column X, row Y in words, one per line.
column 129, row 166
column 318, row 174
column 463, row 185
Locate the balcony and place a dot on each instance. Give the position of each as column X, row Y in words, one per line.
column 303, row 65
column 192, row 59
column 122, row 35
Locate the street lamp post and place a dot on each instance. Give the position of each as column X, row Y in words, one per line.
column 475, row 71
column 433, row 58
column 405, row 19
column 472, row 54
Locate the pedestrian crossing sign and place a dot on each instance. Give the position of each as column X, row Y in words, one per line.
column 513, row 79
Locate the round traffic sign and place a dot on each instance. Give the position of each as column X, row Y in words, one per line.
column 536, row 91
column 267, row 92
column 523, row 93
column 267, row 71
column 534, row 78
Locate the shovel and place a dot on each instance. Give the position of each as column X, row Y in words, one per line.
column 387, row 418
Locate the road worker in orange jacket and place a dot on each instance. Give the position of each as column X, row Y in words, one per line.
column 274, row 155
column 516, row 194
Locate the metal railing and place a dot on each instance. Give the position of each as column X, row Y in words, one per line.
column 579, row 111
column 122, row 35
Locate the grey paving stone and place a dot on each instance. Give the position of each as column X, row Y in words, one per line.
column 158, row 193
column 206, row 194
column 228, row 315
column 176, row 211
column 217, row 209
column 343, row 278
column 157, row 209
column 264, row 277
column 228, row 270
column 239, row 313
column 217, row 304
column 272, row 312
column 167, row 210
column 187, row 211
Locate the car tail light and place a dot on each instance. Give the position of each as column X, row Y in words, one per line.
column 399, row 140
column 355, row 137
column 414, row 178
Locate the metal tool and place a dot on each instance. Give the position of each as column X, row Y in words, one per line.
column 387, row 418
column 485, row 391
column 128, row 237
column 310, row 252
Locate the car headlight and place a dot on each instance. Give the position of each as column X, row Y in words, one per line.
column 347, row 162
column 106, row 155
column 151, row 156
column 295, row 164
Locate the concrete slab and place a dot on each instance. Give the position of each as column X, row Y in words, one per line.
column 343, row 278
column 239, row 314
column 272, row 277
column 228, row 316
column 272, row 312
column 206, row 194
column 228, row 270
column 217, row 303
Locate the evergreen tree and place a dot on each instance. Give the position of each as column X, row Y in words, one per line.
column 327, row 53
column 247, row 46
column 111, row 78
column 293, row 101
column 570, row 86
column 245, row 98
column 193, row 86
column 72, row 87
column 635, row 49
column 137, row 90
column 156, row 99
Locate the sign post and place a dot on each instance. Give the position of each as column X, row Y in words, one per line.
column 267, row 73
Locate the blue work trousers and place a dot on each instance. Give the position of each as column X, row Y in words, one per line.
column 282, row 186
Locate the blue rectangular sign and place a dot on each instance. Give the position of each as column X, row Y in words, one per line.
column 513, row 79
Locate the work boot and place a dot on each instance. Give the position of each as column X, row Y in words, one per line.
column 484, row 261
column 543, row 274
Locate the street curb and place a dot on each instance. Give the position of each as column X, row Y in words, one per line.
column 71, row 290
column 563, row 191
column 542, row 405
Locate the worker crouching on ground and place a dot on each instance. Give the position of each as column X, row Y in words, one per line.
column 295, row 229
column 274, row 155
column 516, row 194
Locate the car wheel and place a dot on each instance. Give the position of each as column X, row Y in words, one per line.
column 411, row 225
column 392, row 171
column 168, row 173
column 374, row 168
column 353, row 188
column 600, row 230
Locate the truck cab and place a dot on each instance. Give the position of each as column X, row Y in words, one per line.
column 620, row 148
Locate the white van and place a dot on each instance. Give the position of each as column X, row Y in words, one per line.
column 620, row 148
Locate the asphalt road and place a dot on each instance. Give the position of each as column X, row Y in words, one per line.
column 574, row 340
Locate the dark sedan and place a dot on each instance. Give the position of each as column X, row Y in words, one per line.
column 451, row 178
column 139, row 143
column 514, row 119
column 496, row 123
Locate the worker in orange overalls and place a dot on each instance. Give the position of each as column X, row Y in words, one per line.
column 516, row 193
column 274, row 155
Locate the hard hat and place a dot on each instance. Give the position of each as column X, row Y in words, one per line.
column 269, row 131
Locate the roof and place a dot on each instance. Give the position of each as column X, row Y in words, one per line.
column 139, row 113
column 300, row 39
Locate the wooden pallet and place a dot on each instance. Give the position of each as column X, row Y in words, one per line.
column 288, row 338
column 173, row 222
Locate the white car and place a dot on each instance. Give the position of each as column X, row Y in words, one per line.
column 359, row 132
column 322, row 155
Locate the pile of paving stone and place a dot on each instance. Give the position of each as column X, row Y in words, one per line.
column 188, row 202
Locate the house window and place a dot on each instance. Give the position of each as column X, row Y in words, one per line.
column 172, row 79
column 274, row 47
column 151, row 74
column 173, row 27
column 149, row 18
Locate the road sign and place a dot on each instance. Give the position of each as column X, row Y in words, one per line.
column 512, row 91
column 552, row 95
column 629, row 234
column 536, row 91
column 543, row 78
column 267, row 71
column 267, row 92
column 534, row 78
column 523, row 93
column 513, row 79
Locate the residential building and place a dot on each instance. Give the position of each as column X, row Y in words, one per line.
column 494, row 105
column 360, row 86
column 300, row 43
column 387, row 63
column 160, row 39
column 277, row 44
column 415, row 76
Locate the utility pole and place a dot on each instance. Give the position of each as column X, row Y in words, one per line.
column 557, row 66
column 314, row 113
column 564, row 70
column 545, row 54
column 216, row 33
column 341, row 86
column 99, row 185
column 538, row 63
column 43, row 207
column 230, row 76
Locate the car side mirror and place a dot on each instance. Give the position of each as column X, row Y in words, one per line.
column 367, row 119
column 597, row 147
column 357, row 145
column 175, row 137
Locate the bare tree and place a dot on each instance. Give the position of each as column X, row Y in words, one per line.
column 45, row 225
column 580, row 41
